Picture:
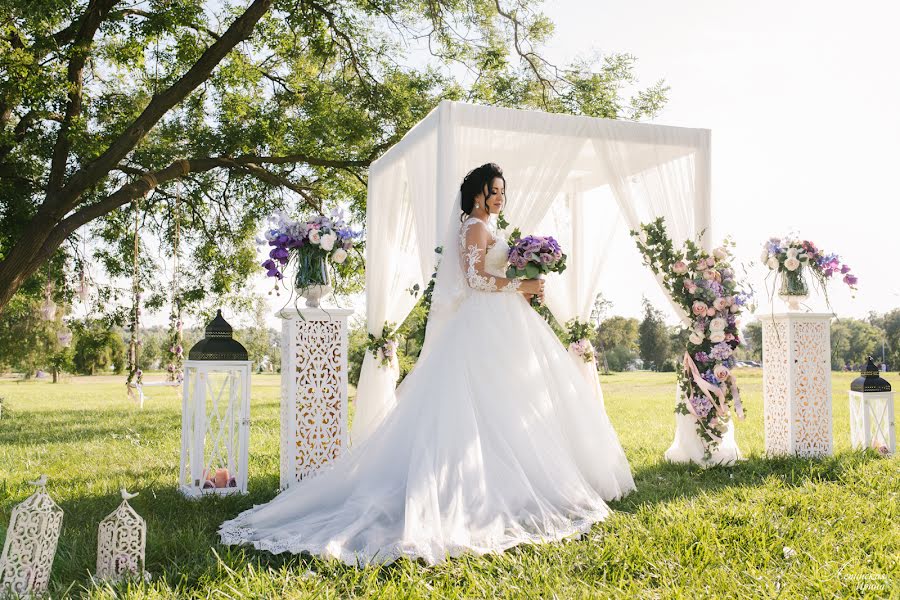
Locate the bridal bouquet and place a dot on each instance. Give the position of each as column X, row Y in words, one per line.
column 704, row 285
column 533, row 256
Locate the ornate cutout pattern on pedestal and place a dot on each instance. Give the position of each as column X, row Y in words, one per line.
column 30, row 545
column 314, row 395
column 775, row 387
column 812, row 388
column 797, row 384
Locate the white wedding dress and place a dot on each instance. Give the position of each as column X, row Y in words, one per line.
column 497, row 439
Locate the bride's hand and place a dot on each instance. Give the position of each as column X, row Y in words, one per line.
column 534, row 287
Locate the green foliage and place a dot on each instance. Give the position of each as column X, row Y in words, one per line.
column 289, row 117
column 653, row 337
column 752, row 338
column 97, row 349
column 28, row 343
column 619, row 357
column 852, row 341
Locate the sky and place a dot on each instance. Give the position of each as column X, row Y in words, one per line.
column 801, row 100
column 800, row 97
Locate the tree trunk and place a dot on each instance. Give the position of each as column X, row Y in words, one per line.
column 55, row 375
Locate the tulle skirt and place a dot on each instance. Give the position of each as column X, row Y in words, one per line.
column 497, row 439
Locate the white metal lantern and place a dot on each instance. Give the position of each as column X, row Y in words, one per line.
column 215, row 420
column 121, row 543
column 872, row 411
column 30, row 545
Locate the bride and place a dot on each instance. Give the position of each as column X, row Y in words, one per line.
column 497, row 438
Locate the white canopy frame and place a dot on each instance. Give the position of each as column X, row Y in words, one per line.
column 590, row 171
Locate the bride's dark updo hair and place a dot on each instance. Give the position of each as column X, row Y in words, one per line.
column 478, row 181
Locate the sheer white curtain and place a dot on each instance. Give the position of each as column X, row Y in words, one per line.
column 393, row 265
column 584, row 224
column 664, row 177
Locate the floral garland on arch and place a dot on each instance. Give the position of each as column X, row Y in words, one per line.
column 578, row 339
column 704, row 285
column 384, row 348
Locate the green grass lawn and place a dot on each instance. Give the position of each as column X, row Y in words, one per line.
column 686, row 533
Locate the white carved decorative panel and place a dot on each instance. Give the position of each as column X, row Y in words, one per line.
column 121, row 543
column 314, row 392
column 812, row 388
column 30, row 545
column 797, row 384
column 776, row 388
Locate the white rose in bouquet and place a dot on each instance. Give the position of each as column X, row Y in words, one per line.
column 792, row 264
column 720, row 253
column 315, row 237
column 328, row 241
column 339, row 256
column 696, row 339
column 793, row 252
column 772, row 263
column 717, row 324
column 717, row 336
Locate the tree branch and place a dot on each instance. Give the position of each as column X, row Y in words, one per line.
column 96, row 12
column 160, row 104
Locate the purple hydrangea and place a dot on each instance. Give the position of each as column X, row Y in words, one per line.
column 701, row 405
column 721, row 351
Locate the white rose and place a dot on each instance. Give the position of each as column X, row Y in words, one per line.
column 720, row 253
column 772, row 263
column 314, row 236
column 793, row 252
column 339, row 256
column 792, row 264
column 735, row 308
column 717, row 324
column 328, row 241
column 696, row 339
column 717, row 336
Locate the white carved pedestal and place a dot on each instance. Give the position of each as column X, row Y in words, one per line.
column 313, row 390
column 797, row 383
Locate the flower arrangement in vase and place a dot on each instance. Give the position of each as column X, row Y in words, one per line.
column 310, row 245
column 791, row 258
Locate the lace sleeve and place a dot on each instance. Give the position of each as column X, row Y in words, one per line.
column 473, row 245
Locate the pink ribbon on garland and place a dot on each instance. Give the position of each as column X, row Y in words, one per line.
column 705, row 386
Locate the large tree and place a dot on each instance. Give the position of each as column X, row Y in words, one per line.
column 211, row 115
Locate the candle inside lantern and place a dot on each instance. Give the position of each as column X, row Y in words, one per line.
column 221, row 478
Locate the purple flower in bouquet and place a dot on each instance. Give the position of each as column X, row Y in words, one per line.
column 701, row 357
column 701, row 405
column 533, row 256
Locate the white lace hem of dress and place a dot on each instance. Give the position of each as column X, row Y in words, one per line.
column 232, row 533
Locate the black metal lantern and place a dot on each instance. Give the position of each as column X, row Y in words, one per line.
column 218, row 343
column 870, row 379
column 872, row 411
column 215, row 421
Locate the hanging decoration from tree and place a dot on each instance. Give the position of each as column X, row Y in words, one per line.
column 175, row 365
column 121, row 543
column 30, row 545
column 135, row 374
column 704, row 286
